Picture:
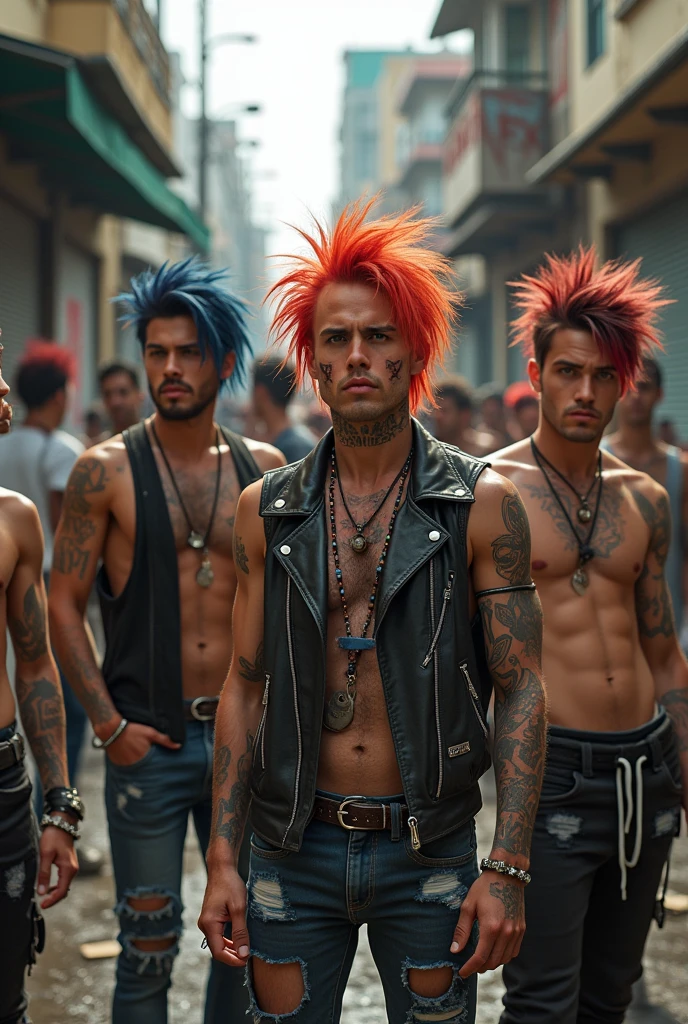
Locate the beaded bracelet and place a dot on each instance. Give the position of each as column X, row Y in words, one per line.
column 505, row 869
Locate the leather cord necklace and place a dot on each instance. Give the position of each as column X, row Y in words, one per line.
column 339, row 710
column 359, row 543
column 580, row 579
column 196, row 540
column 584, row 513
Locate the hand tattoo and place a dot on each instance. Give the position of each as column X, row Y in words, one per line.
column 511, row 895
column 394, row 367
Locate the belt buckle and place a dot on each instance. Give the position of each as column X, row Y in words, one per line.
column 195, row 713
column 17, row 744
column 341, row 812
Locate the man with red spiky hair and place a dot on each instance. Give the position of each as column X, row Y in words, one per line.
column 616, row 678
column 360, row 737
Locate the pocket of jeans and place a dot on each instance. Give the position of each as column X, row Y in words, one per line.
column 148, row 756
column 441, row 853
column 560, row 788
column 671, row 770
column 266, row 851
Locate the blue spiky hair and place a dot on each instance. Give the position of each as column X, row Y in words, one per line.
column 191, row 288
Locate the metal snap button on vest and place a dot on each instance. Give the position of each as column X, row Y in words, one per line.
column 459, row 490
column 285, row 549
column 434, row 535
column 280, row 503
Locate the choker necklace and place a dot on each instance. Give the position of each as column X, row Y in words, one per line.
column 339, row 710
column 580, row 579
column 196, row 540
column 359, row 543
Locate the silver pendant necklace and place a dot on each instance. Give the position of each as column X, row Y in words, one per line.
column 358, row 542
column 196, row 540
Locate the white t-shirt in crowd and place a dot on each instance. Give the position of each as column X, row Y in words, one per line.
column 35, row 463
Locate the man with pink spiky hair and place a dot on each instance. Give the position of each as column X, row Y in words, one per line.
column 617, row 680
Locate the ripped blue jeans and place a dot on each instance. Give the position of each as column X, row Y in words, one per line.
column 307, row 907
column 148, row 806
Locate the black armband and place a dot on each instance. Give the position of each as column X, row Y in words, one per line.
column 505, row 590
column 64, row 799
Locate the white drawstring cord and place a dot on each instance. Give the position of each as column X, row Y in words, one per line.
column 624, row 781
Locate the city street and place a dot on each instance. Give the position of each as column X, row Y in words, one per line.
column 65, row 987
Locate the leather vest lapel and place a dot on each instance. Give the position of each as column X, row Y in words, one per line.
column 303, row 554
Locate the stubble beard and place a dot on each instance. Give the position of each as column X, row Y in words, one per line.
column 172, row 413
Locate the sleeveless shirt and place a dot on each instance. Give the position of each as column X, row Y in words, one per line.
column 142, row 665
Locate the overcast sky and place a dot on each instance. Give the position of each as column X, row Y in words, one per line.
column 296, row 72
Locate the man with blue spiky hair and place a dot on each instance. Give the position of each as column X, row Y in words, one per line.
column 156, row 504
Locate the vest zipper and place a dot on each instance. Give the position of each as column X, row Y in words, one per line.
column 432, row 654
column 475, row 700
column 261, row 727
column 415, row 838
column 446, row 598
column 292, row 665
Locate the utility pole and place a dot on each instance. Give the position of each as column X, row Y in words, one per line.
column 203, row 121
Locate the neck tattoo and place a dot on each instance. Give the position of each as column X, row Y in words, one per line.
column 197, row 541
column 339, row 710
column 580, row 579
column 370, row 435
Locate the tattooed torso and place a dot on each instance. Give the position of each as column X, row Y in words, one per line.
column 597, row 675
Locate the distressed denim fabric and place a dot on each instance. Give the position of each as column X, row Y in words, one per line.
column 307, row 907
column 148, row 806
column 584, row 942
column 18, row 869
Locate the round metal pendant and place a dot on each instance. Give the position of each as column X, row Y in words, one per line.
column 205, row 575
column 584, row 514
column 339, row 711
column 194, row 540
column 580, row 581
column 359, row 543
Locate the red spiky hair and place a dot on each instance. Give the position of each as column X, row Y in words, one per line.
column 48, row 353
column 613, row 303
column 388, row 253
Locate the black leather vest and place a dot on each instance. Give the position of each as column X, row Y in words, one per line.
column 431, row 661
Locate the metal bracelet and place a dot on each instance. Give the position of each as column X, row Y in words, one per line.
column 502, row 868
column 104, row 744
column 65, row 799
column 66, row 826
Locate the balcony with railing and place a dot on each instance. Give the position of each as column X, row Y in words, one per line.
column 498, row 128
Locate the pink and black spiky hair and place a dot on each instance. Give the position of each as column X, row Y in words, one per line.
column 390, row 253
column 613, row 303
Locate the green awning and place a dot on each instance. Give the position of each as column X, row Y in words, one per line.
column 49, row 116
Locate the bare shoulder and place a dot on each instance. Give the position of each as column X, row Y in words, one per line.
column 20, row 515
column 514, row 459
column 498, row 509
column 248, row 524
column 267, row 456
column 491, row 489
column 641, row 485
column 98, row 470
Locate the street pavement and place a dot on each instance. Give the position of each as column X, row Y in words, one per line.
column 64, row 987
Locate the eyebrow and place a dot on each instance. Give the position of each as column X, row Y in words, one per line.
column 579, row 366
column 372, row 329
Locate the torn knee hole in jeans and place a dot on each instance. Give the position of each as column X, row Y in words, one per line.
column 151, row 923
column 152, row 961
column 443, row 887
column 563, row 827
column 14, row 880
column 451, row 1007
column 267, row 899
column 261, row 1016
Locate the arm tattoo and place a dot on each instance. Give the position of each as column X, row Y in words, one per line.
column 652, row 598
column 240, row 556
column 676, row 703
column 370, row 435
column 78, row 664
column 252, row 671
column 230, row 817
column 511, row 551
column 71, row 551
column 29, row 632
column 520, row 723
column 42, row 713
column 394, row 367
column 326, row 370
column 511, row 895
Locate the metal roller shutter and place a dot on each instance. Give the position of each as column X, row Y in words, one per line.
column 19, row 284
column 661, row 239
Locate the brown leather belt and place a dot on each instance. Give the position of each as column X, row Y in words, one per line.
column 11, row 751
column 354, row 813
column 202, row 709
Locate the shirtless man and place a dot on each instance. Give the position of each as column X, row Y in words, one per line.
column 24, row 861
column 452, row 417
column 360, row 737
column 617, row 763
column 157, row 504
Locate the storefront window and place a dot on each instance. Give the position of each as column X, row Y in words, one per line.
column 596, row 13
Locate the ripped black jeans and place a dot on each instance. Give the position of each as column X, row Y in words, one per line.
column 609, row 810
column 18, row 868
column 307, row 907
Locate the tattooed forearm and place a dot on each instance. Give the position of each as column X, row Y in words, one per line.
column 511, row 895
column 370, row 435
column 231, row 811
column 676, row 703
column 326, row 370
column 42, row 714
column 252, row 671
column 79, row 666
column 29, row 631
column 394, row 368
column 240, row 556
column 511, row 551
column 652, row 599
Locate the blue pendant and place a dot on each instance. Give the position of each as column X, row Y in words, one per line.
column 356, row 643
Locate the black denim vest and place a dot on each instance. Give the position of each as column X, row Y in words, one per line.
column 431, row 659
